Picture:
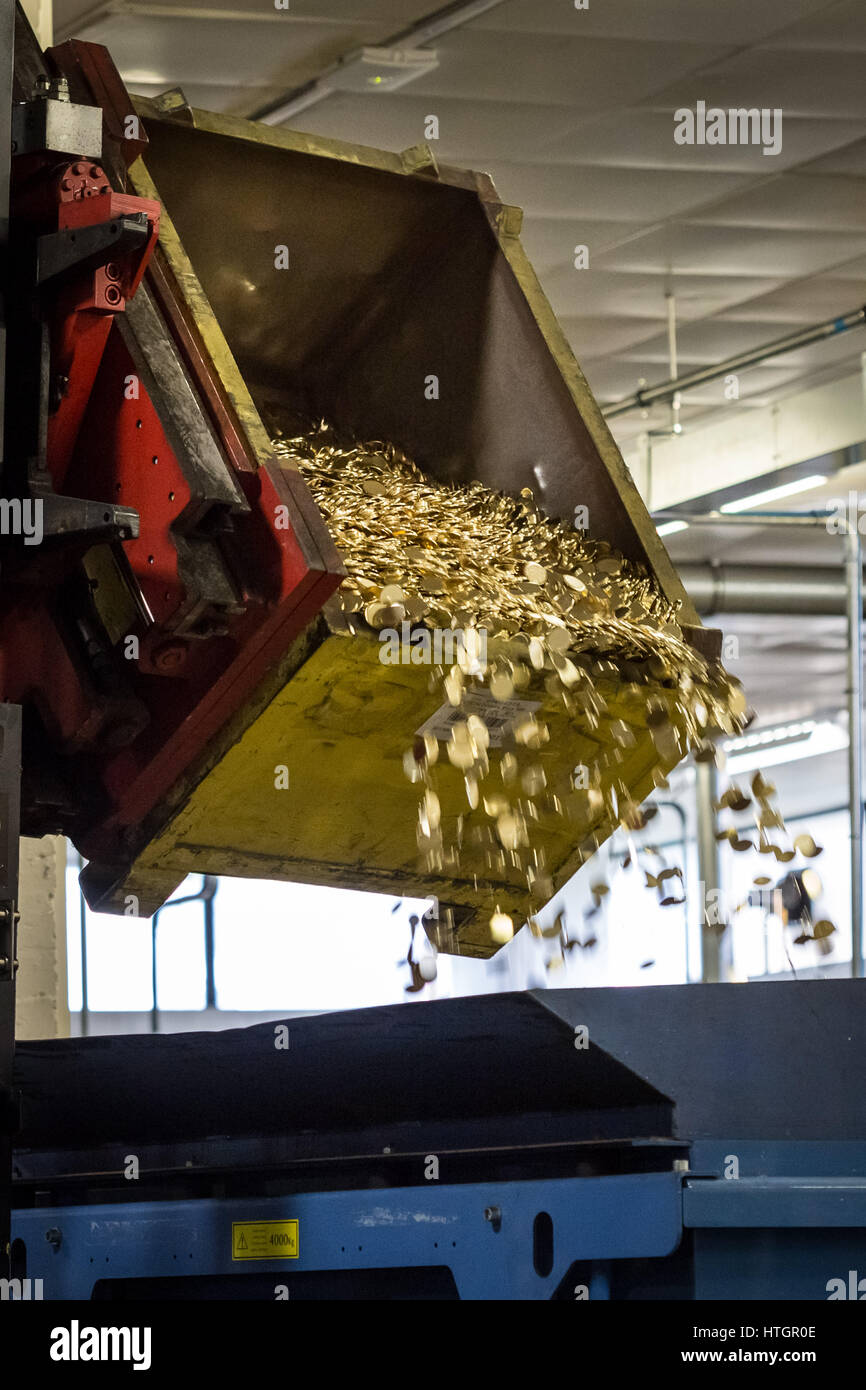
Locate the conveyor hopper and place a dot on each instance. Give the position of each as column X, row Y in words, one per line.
column 333, row 281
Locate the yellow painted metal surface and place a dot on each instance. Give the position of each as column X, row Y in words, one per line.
column 314, row 790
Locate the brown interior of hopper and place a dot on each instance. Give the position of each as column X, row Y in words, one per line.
column 393, row 279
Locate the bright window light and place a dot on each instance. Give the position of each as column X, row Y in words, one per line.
column 670, row 528
column 757, row 499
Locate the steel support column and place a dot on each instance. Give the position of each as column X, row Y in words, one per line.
column 712, row 917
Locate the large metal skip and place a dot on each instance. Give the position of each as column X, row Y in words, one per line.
column 397, row 270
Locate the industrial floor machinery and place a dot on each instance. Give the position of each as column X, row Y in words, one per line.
column 687, row 1142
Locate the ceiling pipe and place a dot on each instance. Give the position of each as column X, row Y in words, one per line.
column 787, row 519
column 665, row 390
column 780, row 589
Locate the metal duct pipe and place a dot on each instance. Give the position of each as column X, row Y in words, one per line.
column 765, row 589
column 648, row 395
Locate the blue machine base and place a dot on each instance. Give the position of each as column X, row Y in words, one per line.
column 656, row 1235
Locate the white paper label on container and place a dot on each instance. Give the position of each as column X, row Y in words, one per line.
column 498, row 715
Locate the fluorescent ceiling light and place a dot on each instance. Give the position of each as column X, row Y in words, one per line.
column 781, row 733
column 742, row 504
column 787, row 743
column 670, row 528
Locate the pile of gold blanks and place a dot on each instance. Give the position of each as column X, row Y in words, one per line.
column 540, row 607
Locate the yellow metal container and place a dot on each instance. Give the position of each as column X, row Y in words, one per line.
column 396, row 271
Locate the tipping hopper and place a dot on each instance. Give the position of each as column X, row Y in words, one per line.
column 335, row 281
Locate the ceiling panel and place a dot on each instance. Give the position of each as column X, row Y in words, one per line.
column 848, row 159
column 639, row 139
column 800, row 83
column 853, row 270
column 644, row 296
column 824, row 202
column 699, row 344
column 470, row 132
column 735, row 22
column 572, row 113
column 383, row 17
column 832, row 27
column 208, row 98
column 758, row 251
column 397, row 14
column 798, row 302
column 216, row 52
column 603, row 334
column 554, row 70
column 846, row 348
column 550, row 242
column 644, row 195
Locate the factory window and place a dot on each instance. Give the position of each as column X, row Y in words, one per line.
column 249, row 947
column 115, row 961
column 322, row 948
column 241, row 946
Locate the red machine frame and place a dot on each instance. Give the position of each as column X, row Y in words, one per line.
column 127, row 719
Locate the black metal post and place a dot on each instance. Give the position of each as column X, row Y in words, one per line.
column 205, row 895
column 10, row 803
column 10, row 715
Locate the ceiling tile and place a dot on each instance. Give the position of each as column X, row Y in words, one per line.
column 643, row 296
column 382, row 17
column 598, row 335
column 854, row 270
column 627, row 195
column 841, row 26
column 229, row 100
column 799, row 301
column 700, row 344
column 798, row 82
column 848, row 159
column 550, row 242
column 397, row 14
column 172, row 52
column 692, row 249
column 470, row 132
column 824, row 202
column 637, row 138
column 584, row 74
column 572, row 113
column 734, row 22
